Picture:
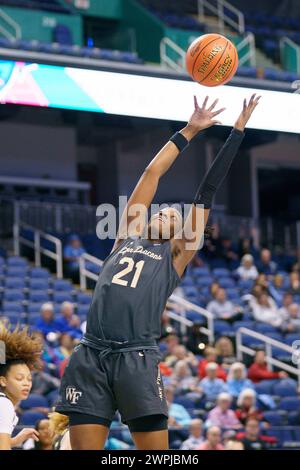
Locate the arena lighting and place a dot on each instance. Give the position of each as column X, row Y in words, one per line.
column 138, row 95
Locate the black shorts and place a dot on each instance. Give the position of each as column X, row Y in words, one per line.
column 129, row 382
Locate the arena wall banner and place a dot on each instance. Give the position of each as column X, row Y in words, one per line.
column 138, row 95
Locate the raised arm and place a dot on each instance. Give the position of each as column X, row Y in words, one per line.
column 133, row 219
column 185, row 248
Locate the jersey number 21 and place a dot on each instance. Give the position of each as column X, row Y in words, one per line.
column 118, row 278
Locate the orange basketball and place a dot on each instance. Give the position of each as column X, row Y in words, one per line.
column 212, row 60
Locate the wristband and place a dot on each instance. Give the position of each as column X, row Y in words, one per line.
column 180, row 141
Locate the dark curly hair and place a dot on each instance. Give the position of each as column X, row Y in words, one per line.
column 20, row 348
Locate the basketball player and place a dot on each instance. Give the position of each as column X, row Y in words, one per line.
column 116, row 366
column 22, row 353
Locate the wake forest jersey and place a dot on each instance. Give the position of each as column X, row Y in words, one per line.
column 132, row 290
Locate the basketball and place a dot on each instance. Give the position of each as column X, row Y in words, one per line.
column 212, row 60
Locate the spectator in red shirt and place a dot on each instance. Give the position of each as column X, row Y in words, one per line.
column 210, row 356
column 259, row 371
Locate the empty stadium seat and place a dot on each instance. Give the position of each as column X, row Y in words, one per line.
column 290, row 404
column 14, row 282
column 285, row 389
column 8, row 306
column 39, row 284
column 275, row 418
column 62, row 285
column 62, row 296
column 13, row 295
column 38, row 296
column 30, row 418
column 34, row 401
column 39, row 273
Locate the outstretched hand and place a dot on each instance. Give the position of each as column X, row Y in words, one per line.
column 247, row 112
column 203, row 117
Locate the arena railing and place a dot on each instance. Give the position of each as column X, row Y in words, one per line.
column 178, row 62
column 36, row 244
column 269, row 343
column 218, row 8
column 84, row 271
column 9, row 23
column 287, row 45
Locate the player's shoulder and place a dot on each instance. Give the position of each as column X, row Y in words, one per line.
column 6, row 405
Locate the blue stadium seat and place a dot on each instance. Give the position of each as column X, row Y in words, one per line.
column 14, row 282
column 16, row 271
column 38, row 296
column 233, row 294
column 244, row 324
column 39, row 284
column 62, row 296
column 275, row 418
column 15, row 318
column 33, row 317
column 190, row 290
column 264, row 387
column 290, row 404
column 62, row 285
column 291, row 337
column 222, row 327
column 226, row 282
column 34, row 401
column 13, row 295
column 34, row 307
column 252, row 342
column 285, row 389
column 15, row 307
column 52, row 397
column 201, row 271
column 187, row 281
column 204, row 281
column 82, row 310
column 30, row 418
column 16, row 261
column 221, row 272
column 265, row 328
column 39, row 273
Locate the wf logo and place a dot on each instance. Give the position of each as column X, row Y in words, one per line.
column 73, row 395
column 2, row 353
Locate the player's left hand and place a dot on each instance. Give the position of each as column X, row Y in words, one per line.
column 203, row 116
column 246, row 112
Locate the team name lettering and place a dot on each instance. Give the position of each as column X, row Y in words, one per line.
column 139, row 249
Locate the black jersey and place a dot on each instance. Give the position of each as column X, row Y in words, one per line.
column 132, row 290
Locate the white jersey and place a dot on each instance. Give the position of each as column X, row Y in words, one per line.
column 8, row 417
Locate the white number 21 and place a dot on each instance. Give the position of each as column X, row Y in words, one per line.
column 117, row 279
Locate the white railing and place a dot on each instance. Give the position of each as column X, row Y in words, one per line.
column 249, row 56
column 167, row 44
column 38, row 237
column 217, row 8
column 209, row 330
column 8, row 20
column 268, row 344
column 287, row 41
column 86, row 273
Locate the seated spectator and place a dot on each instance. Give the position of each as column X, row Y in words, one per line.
column 211, row 355
column 47, row 323
column 45, row 437
column 178, row 415
column 223, row 309
column 265, row 264
column 66, row 313
column 259, row 370
column 43, row 383
column 237, row 379
column 51, row 357
column 287, row 300
column 292, row 323
column 228, row 252
column 232, row 444
column 294, row 283
column 182, row 378
column 181, row 353
column 251, row 438
column 66, row 345
column 214, row 287
column 171, row 341
column 72, row 252
column 265, row 310
column 211, row 386
column 247, row 269
column 222, row 415
column 195, row 437
column 213, row 439
column 247, row 406
column 224, row 348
